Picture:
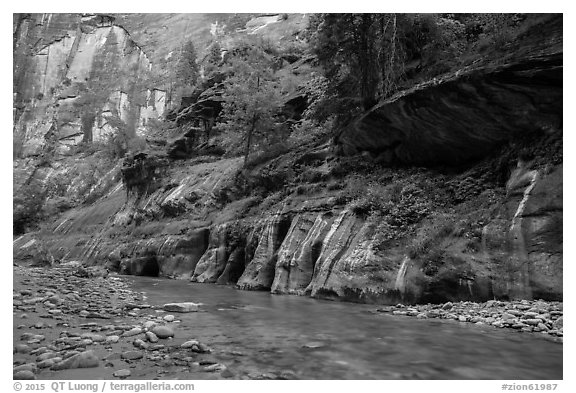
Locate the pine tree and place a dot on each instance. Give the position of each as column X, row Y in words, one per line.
column 361, row 54
column 251, row 97
column 213, row 58
column 186, row 68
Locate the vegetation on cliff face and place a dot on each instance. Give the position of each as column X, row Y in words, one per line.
column 369, row 57
column 251, row 97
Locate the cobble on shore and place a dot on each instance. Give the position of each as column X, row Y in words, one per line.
column 530, row 316
column 71, row 317
column 81, row 323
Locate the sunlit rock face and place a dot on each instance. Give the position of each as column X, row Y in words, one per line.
column 75, row 78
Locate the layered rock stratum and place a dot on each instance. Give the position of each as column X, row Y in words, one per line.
column 448, row 191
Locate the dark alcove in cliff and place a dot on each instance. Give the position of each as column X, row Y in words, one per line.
column 145, row 265
column 150, row 268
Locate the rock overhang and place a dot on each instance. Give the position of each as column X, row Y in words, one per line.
column 463, row 116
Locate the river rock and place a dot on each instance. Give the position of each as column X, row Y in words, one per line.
column 215, row 367
column 181, row 307
column 533, row 322
column 49, row 362
column 21, row 348
column 132, row 355
column 26, row 336
column 163, row 331
column 491, row 303
column 189, row 344
column 149, row 325
column 196, row 346
column 132, row 332
column 97, row 315
column 515, row 313
column 68, row 354
column 122, row 373
column 54, row 299
column 447, row 306
column 169, row 318
column 36, row 339
column 507, row 316
column 94, row 337
column 202, row 348
column 86, row 359
column 529, row 315
column 24, row 375
column 40, row 351
column 559, row 323
column 112, row 339
column 45, row 356
column 25, row 367
column 138, row 343
column 151, row 337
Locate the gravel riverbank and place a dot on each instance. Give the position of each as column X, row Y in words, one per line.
column 73, row 323
column 76, row 323
column 536, row 316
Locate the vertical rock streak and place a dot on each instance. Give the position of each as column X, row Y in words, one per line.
column 259, row 273
column 335, row 245
column 213, row 262
column 520, row 252
column 400, row 284
column 296, row 257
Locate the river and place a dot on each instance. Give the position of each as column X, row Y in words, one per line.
column 305, row 338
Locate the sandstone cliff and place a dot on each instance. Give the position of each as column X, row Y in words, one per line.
column 350, row 219
column 73, row 76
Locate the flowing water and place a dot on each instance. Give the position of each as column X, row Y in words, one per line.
column 256, row 332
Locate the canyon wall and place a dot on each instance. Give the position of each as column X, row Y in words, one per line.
column 315, row 248
column 307, row 222
column 78, row 78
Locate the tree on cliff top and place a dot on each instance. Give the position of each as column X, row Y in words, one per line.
column 362, row 56
column 251, row 97
column 368, row 57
